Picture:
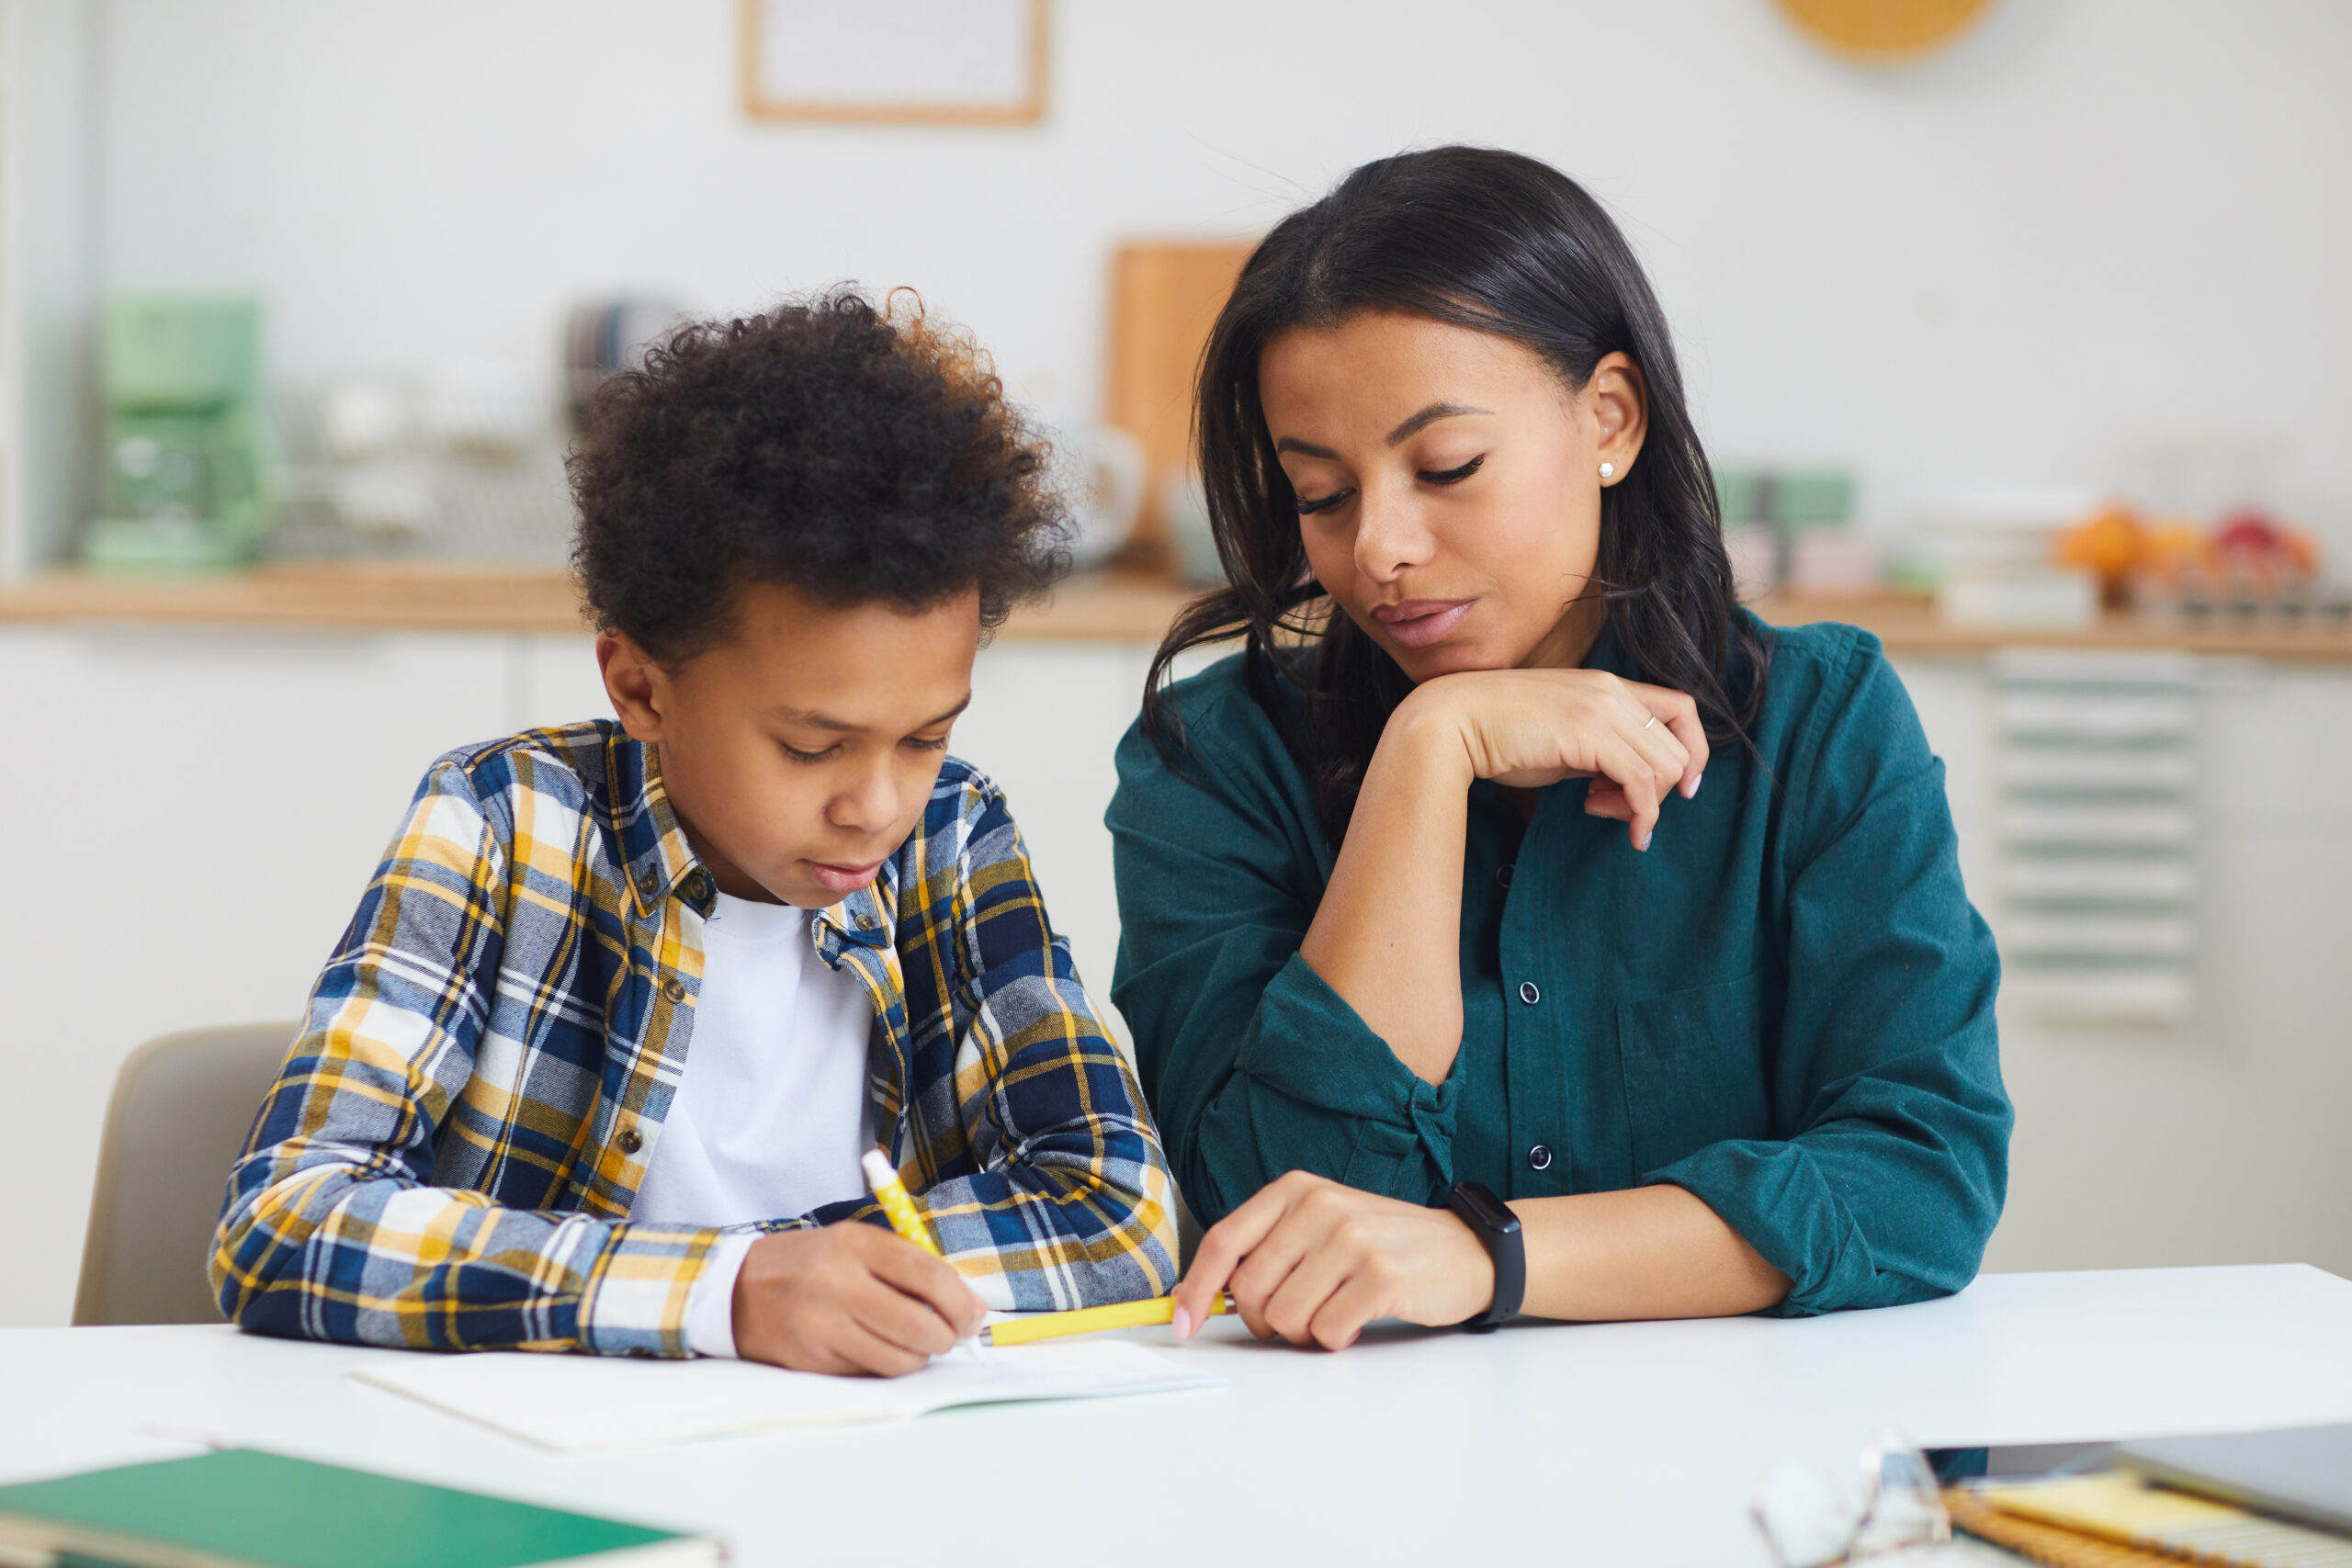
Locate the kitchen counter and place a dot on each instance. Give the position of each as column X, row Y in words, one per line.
column 1093, row 607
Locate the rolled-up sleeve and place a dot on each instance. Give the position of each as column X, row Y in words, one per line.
column 1887, row 1081
column 1253, row 1064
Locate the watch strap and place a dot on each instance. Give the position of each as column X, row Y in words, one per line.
column 1497, row 1230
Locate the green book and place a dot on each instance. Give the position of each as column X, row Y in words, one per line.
column 240, row 1508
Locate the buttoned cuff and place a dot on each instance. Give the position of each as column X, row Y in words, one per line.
column 635, row 1300
column 1776, row 1197
column 710, row 1305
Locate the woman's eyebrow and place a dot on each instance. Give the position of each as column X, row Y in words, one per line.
column 1429, row 415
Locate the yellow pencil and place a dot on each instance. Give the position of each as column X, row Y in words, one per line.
column 892, row 1194
column 1092, row 1320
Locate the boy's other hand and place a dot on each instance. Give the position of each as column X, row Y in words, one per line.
column 849, row 1297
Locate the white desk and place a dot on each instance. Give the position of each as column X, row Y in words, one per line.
column 1630, row 1443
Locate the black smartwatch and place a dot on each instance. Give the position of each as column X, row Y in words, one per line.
column 1497, row 1229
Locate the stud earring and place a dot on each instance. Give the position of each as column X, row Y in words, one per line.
column 1608, row 471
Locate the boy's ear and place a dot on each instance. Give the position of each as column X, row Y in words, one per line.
column 634, row 684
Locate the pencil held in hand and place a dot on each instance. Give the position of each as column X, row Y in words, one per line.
column 892, row 1194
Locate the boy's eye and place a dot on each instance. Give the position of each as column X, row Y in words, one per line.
column 1452, row 476
column 798, row 755
column 919, row 744
column 1307, row 505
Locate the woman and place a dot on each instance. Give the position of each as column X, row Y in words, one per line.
column 1425, row 909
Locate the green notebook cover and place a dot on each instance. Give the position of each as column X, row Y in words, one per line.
column 243, row 1507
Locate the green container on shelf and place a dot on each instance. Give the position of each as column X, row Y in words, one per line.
column 187, row 456
column 1785, row 498
column 1740, row 493
column 1813, row 498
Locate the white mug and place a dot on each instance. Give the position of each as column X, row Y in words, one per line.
column 1106, row 468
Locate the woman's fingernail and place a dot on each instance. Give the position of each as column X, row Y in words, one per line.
column 1184, row 1323
column 1647, row 837
column 1691, row 789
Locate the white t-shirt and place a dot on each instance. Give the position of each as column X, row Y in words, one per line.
column 771, row 1114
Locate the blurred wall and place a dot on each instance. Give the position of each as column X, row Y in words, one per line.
column 2091, row 222
column 51, row 54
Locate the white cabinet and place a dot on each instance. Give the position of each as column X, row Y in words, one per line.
column 192, row 812
column 2221, row 1139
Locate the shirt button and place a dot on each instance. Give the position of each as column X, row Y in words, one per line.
column 631, row 1141
column 647, row 883
column 1502, row 875
column 699, row 887
column 1528, row 994
column 674, row 988
column 1539, row 1158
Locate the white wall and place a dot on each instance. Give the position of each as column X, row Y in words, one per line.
column 2091, row 222
column 51, row 89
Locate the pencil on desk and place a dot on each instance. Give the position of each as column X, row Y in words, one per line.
column 1092, row 1320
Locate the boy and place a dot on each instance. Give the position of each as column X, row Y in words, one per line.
column 625, row 1002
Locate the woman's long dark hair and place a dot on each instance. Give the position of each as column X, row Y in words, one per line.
column 1501, row 244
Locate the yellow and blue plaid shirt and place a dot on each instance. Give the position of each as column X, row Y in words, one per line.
column 448, row 1155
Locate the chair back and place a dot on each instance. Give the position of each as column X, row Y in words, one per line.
column 182, row 1107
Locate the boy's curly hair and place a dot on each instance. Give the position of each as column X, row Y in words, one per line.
column 857, row 453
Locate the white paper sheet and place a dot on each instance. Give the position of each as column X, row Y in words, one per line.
column 585, row 1403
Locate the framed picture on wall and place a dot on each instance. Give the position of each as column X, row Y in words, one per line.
column 903, row 61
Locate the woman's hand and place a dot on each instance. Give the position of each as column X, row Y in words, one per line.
column 1526, row 728
column 1313, row 1261
column 849, row 1297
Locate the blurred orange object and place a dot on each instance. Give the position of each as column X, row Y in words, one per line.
column 2178, row 549
column 2303, row 549
column 2110, row 546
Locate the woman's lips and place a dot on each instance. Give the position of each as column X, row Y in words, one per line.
column 844, row 878
column 1417, row 623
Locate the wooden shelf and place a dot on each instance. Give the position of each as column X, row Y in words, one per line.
column 355, row 597
column 1128, row 608
column 1907, row 622
column 1099, row 607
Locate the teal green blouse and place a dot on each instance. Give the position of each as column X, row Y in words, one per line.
column 1784, row 1007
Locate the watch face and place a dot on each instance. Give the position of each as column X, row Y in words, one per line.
column 1481, row 1208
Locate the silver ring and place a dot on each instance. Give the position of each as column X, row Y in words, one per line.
column 1653, row 720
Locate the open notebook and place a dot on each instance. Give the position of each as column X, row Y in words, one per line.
column 583, row 1403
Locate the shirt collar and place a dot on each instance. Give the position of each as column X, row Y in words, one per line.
column 654, row 851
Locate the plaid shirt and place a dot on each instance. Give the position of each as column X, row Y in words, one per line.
column 448, row 1155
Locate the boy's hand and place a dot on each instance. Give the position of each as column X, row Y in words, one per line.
column 849, row 1297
